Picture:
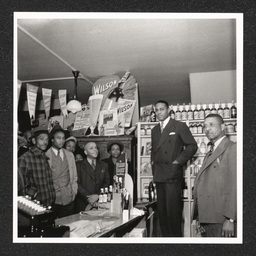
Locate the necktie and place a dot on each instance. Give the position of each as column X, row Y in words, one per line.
column 211, row 148
column 93, row 164
column 59, row 155
column 161, row 126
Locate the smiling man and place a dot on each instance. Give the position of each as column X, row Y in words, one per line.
column 215, row 189
column 172, row 146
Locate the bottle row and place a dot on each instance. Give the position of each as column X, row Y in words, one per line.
column 193, row 169
column 106, row 195
column 198, row 128
column 199, row 112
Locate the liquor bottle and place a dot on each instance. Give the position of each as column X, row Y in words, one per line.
column 111, row 192
column 195, row 128
column 213, row 109
column 101, row 195
column 190, row 112
column 233, row 110
column 200, row 128
column 151, row 192
column 172, row 113
column 153, row 116
column 148, row 130
column 220, row 111
column 226, row 111
column 196, row 113
column 185, row 190
column 142, row 131
column 178, row 113
column 207, row 110
column 184, row 114
column 203, row 147
column 201, row 112
column 105, row 195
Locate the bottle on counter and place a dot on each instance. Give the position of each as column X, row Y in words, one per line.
column 233, row 110
column 226, row 111
column 172, row 113
column 110, row 193
column 184, row 113
column 207, row 110
column 196, row 113
column 190, row 112
column 201, row 112
column 105, row 195
column 178, row 113
column 220, row 110
column 101, row 195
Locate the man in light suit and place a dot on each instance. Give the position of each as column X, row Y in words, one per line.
column 215, row 185
column 92, row 176
column 63, row 167
column 172, row 146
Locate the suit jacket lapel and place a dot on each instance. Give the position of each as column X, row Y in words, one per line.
column 89, row 170
column 167, row 129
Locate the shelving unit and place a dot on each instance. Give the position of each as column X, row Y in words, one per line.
column 144, row 172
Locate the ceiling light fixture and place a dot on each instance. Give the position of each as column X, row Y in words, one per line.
column 74, row 105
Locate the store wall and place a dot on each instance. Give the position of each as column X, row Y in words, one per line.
column 213, row 87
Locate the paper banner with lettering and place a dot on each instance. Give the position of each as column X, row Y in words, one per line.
column 63, row 101
column 19, row 87
column 32, row 95
column 47, row 93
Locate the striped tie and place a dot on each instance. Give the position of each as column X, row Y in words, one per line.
column 93, row 164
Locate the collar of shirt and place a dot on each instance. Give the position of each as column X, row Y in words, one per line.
column 90, row 161
column 56, row 152
column 217, row 142
column 165, row 122
column 36, row 151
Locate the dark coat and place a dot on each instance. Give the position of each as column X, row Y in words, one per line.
column 90, row 181
column 175, row 143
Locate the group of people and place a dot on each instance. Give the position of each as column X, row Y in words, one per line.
column 215, row 201
column 57, row 173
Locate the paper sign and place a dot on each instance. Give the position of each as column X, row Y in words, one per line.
column 32, row 95
column 63, row 101
column 47, row 93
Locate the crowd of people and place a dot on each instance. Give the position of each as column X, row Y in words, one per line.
column 54, row 170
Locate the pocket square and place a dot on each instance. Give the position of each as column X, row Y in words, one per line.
column 172, row 133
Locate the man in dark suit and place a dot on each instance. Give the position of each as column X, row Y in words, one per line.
column 215, row 185
column 172, row 146
column 92, row 176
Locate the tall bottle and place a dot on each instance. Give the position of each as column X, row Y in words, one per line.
column 172, row 113
column 105, row 195
column 151, row 192
column 220, row 110
column 213, row 109
column 111, row 192
column 178, row 113
column 207, row 110
column 233, row 110
column 101, row 195
column 190, row 112
column 226, row 111
column 196, row 113
column 201, row 112
column 184, row 114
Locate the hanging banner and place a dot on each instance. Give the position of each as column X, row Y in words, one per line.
column 63, row 101
column 19, row 87
column 47, row 94
column 31, row 95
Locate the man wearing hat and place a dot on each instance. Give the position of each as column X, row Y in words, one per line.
column 34, row 173
column 63, row 166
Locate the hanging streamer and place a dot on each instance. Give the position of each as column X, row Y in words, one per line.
column 47, row 93
column 31, row 95
column 19, row 87
column 63, row 102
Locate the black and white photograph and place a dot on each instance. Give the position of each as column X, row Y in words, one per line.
column 168, row 83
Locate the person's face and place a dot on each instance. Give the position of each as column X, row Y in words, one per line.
column 213, row 129
column 78, row 158
column 115, row 151
column 91, row 150
column 41, row 141
column 161, row 111
column 58, row 140
column 70, row 146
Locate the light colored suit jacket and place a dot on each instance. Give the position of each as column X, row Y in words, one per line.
column 72, row 168
column 215, row 185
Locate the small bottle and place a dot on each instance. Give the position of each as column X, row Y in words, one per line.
column 195, row 129
column 191, row 127
column 226, row 111
column 213, row 109
column 207, row 110
column 101, row 195
column 203, row 147
column 233, row 110
column 148, row 130
column 201, row 112
column 196, row 113
column 178, row 113
column 172, row 113
column 200, row 128
column 111, row 192
column 142, row 131
column 185, row 190
column 153, row 116
column 105, row 196
column 220, row 111
column 190, row 112
column 184, row 114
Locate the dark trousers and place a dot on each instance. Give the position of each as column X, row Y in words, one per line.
column 63, row 210
column 169, row 208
